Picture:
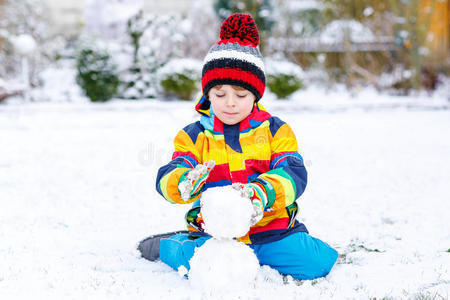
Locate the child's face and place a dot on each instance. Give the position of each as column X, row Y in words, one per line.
column 231, row 104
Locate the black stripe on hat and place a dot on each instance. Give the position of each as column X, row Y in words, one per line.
column 233, row 63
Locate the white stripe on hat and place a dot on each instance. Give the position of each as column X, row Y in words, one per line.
column 234, row 55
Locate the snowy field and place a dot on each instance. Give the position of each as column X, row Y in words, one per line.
column 77, row 192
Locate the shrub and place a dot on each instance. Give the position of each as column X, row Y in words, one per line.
column 283, row 77
column 97, row 74
column 137, row 81
column 153, row 40
column 138, row 85
column 180, row 77
column 283, row 85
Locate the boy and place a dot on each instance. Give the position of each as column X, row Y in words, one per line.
column 237, row 142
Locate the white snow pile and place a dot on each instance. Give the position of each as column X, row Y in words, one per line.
column 186, row 66
column 220, row 265
column 276, row 67
column 226, row 214
column 223, row 264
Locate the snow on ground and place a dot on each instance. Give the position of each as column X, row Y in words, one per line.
column 77, row 192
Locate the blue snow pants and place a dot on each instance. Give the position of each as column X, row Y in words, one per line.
column 299, row 254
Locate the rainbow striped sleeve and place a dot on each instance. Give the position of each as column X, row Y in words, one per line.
column 287, row 178
column 185, row 157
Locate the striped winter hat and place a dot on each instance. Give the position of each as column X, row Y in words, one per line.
column 235, row 59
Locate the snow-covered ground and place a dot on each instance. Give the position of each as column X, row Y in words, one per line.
column 77, row 192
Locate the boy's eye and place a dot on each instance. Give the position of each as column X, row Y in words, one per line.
column 242, row 95
column 220, row 95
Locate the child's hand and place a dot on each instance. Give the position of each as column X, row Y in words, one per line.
column 257, row 195
column 193, row 182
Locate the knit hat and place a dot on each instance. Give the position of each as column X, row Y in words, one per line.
column 235, row 59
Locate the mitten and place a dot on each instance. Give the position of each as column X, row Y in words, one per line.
column 192, row 183
column 257, row 195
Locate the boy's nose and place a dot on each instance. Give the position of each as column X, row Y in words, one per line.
column 229, row 101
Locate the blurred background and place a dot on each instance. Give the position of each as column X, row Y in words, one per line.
column 96, row 50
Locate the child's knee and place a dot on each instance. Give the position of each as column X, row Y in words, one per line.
column 317, row 260
column 322, row 263
column 177, row 250
column 299, row 255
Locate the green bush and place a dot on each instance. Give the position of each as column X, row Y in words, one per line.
column 283, row 77
column 180, row 85
column 97, row 74
column 180, row 77
column 283, row 85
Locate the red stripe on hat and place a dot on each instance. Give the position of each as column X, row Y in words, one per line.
column 236, row 74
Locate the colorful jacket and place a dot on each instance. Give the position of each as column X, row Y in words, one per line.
column 260, row 148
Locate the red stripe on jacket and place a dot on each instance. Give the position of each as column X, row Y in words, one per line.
column 219, row 172
column 256, row 165
column 179, row 153
column 281, row 223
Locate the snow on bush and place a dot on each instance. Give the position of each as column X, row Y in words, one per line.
column 283, row 77
column 297, row 19
column 59, row 83
column 24, row 44
column 219, row 265
column 339, row 31
column 25, row 31
column 226, row 214
column 201, row 29
column 155, row 41
column 180, row 77
column 96, row 72
column 107, row 19
column 147, row 42
column 160, row 41
column 137, row 82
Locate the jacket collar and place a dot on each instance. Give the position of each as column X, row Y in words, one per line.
column 212, row 123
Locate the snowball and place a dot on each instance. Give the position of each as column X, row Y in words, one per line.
column 221, row 264
column 226, row 214
column 24, row 44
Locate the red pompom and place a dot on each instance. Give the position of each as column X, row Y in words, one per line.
column 240, row 26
